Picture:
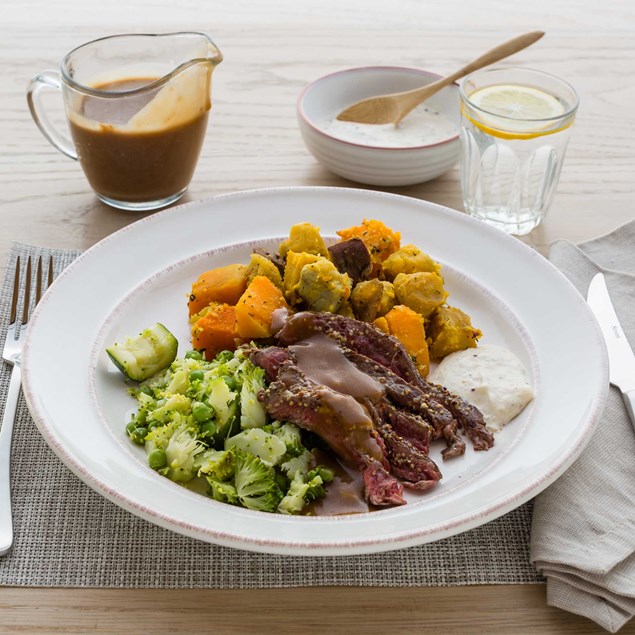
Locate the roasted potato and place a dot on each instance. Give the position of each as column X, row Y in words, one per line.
column 304, row 237
column 371, row 299
column 423, row 291
column 260, row 265
column 409, row 259
column 450, row 330
column 322, row 286
column 292, row 270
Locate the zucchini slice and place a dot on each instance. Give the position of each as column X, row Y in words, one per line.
column 143, row 356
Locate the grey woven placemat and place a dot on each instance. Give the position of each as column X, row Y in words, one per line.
column 68, row 535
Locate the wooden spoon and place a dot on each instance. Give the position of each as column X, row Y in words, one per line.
column 394, row 107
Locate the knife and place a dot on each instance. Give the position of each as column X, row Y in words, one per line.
column 621, row 357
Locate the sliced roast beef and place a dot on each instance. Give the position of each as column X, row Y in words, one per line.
column 416, row 469
column 381, row 487
column 469, row 418
column 406, row 424
column 358, row 336
column 389, row 352
column 270, row 359
column 404, row 394
column 341, row 421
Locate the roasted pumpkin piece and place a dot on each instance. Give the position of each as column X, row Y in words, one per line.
column 352, row 257
column 371, row 299
column 223, row 284
column 292, row 270
column 215, row 330
column 260, row 265
column 409, row 259
column 423, row 291
column 323, row 287
column 254, row 310
column 304, row 237
column 450, row 330
column 380, row 240
column 407, row 326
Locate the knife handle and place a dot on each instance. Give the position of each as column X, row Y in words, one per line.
column 629, row 400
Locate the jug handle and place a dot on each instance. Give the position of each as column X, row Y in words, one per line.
column 48, row 80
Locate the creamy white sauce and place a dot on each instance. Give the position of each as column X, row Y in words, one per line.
column 489, row 377
column 422, row 126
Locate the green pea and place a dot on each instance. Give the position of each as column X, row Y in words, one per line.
column 201, row 412
column 196, row 375
column 230, row 381
column 139, row 435
column 193, row 355
column 208, row 429
column 157, row 459
column 131, row 427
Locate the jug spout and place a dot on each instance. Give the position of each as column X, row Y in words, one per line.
column 184, row 93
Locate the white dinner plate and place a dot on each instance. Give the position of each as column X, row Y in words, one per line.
column 143, row 274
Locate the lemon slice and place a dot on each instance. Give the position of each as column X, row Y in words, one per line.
column 514, row 110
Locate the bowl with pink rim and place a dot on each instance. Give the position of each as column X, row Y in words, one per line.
column 422, row 147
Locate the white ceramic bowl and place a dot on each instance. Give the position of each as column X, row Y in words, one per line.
column 326, row 97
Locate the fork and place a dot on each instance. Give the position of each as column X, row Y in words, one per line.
column 11, row 354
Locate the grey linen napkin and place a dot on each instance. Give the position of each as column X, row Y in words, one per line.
column 583, row 529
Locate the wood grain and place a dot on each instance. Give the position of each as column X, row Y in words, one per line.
column 271, row 51
column 445, row 610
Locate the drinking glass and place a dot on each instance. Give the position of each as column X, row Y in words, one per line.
column 510, row 165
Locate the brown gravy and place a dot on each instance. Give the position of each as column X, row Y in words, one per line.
column 321, row 359
column 135, row 166
column 344, row 494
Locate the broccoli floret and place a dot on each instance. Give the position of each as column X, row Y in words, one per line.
column 255, row 483
column 294, row 501
column 181, row 450
column 179, row 382
column 264, row 445
column 174, row 404
column 252, row 412
column 325, row 473
column 159, row 437
column 223, row 492
column 157, row 382
column 315, row 489
column 300, row 493
column 289, row 434
column 223, row 401
column 224, row 357
column 216, row 464
column 297, row 464
column 181, row 453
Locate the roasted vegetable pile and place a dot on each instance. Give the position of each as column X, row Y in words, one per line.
column 367, row 275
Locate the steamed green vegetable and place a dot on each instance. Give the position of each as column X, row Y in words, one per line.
column 143, row 356
column 203, row 419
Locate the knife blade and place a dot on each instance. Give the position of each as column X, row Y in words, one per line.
column 621, row 356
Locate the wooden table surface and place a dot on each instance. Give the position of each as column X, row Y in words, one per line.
column 271, row 51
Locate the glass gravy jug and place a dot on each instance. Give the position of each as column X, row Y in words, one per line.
column 137, row 108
